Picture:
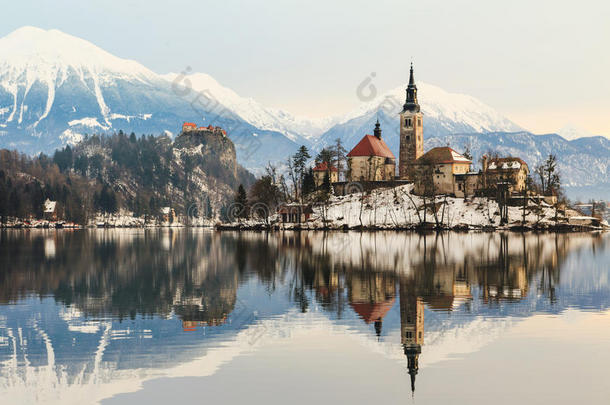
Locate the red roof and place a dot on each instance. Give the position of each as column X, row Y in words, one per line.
column 189, row 124
column 371, row 146
column 371, row 312
column 323, row 167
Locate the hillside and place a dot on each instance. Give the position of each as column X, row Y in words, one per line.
column 195, row 174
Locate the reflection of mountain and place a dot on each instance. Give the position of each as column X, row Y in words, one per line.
column 116, row 303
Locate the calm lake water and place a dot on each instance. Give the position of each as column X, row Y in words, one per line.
column 160, row 316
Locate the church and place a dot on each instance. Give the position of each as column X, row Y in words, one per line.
column 372, row 160
column 441, row 170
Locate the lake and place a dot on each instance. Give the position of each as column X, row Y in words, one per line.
column 157, row 316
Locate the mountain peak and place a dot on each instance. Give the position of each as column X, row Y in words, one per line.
column 31, row 47
column 571, row 132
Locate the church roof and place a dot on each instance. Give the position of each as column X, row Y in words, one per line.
column 443, row 154
column 372, row 311
column 323, row 167
column 370, row 145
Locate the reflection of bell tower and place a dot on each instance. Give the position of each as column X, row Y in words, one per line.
column 411, row 328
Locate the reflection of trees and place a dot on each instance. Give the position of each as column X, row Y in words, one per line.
column 123, row 273
column 196, row 275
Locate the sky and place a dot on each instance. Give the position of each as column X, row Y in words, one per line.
column 543, row 64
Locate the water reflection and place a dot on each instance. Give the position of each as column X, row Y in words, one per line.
column 92, row 308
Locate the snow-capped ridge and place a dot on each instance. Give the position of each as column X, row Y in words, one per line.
column 252, row 111
column 439, row 104
column 571, row 132
column 38, row 51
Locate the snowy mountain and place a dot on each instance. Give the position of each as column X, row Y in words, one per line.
column 55, row 88
column 571, row 132
column 444, row 113
column 295, row 128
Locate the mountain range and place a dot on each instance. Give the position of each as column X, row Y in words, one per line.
column 55, row 88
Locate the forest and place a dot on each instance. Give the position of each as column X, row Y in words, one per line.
column 107, row 173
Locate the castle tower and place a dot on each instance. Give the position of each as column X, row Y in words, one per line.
column 411, row 131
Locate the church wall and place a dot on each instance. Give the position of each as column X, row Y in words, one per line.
column 370, row 168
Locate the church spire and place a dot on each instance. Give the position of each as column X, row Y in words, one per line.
column 377, row 131
column 411, row 103
column 411, row 79
column 412, row 352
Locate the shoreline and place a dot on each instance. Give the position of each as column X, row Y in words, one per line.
column 260, row 227
column 559, row 228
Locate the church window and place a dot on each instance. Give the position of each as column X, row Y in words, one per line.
column 408, row 137
column 419, row 122
column 409, row 335
column 408, row 122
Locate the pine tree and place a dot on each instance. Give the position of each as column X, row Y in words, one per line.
column 326, row 155
column 309, row 182
column 299, row 161
column 241, row 201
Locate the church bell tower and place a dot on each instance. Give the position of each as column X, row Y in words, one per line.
column 411, row 131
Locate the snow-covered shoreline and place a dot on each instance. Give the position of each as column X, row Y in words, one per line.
column 397, row 209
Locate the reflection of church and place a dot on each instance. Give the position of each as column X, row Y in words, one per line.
column 372, row 294
column 411, row 327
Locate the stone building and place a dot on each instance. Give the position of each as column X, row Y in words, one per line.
column 511, row 170
column 411, row 132
column 321, row 170
column 371, row 159
column 190, row 126
column 442, row 171
column 295, row 213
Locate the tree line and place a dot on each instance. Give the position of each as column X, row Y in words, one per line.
column 106, row 173
column 295, row 185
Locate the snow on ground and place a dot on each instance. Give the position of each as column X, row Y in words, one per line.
column 397, row 207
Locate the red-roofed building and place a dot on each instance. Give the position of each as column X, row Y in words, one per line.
column 188, row 126
column 371, row 159
column 321, row 170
